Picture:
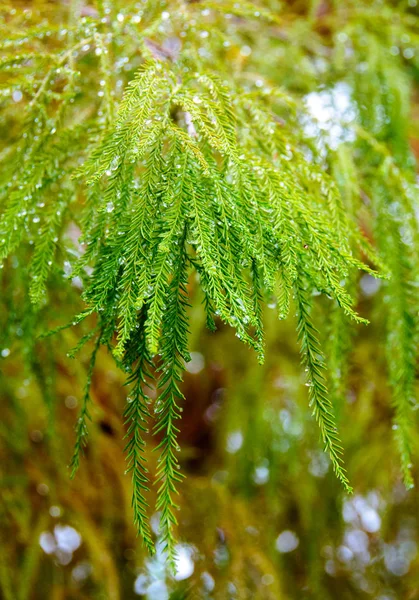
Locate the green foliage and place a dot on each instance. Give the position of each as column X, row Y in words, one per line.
column 81, row 427
column 201, row 172
column 313, row 360
column 136, row 418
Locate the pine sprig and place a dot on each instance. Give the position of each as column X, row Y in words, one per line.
column 136, row 417
column 84, row 416
column 174, row 353
column 314, row 362
column 44, row 251
column 402, row 344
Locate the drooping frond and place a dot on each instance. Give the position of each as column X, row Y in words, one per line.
column 84, row 416
column 136, row 417
column 313, row 360
column 173, row 354
column 401, row 348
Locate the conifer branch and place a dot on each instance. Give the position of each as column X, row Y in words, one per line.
column 84, row 416
column 402, row 344
column 136, row 417
column 174, row 353
column 313, row 360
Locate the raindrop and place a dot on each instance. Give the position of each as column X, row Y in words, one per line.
column 234, row 442
column 68, row 539
column 17, row 96
column 184, row 563
column 47, row 542
column 287, row 541
column 42, row 489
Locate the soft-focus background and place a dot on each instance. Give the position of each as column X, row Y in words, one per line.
column 261, row 514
